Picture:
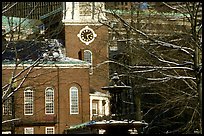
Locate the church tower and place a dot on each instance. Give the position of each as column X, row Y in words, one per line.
column 87, row 39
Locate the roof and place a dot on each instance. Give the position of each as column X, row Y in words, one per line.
column 122, row 125
column 49, row 52
column 100, row 94
column 63, row 63
column 24, row 22
column 146, row 12
column 85, row 124
column 52, row 13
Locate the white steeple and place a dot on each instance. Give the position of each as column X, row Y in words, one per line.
column 82, row 12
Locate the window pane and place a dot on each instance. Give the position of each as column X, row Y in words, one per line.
column 28, row 102
column 50, row 130
column 7, row 106
column 49, row 101
column 94, row 108
column 74, row 109
column 28, row 130
column 88, row 56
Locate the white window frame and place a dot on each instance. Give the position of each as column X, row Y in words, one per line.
column 74, row 90
column 6, row 132
column 89, row 60
column 31, row 101
column 47, row 129
column 95, row 107
column 31, row 129
column 7, row 106
column 49, row 101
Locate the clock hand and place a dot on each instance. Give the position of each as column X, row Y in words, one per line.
column 88, row 35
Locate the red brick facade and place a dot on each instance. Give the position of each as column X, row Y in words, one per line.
column 60, row 79
column 98, row 47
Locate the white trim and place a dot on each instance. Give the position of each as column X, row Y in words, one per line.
column 6, row 106
column 91, row 64
column 90, row 58
column 6, row 132
column 95, row 103
column 53, row 128
column 31, row 128
column 12, row 66
column 28, row 89
column 71, row 14
column 78, row 24
column 70, row 98
column 102, row 110
column 90, row 29
column 52, row 102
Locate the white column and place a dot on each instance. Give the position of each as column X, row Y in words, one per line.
column 100, row 107
column 91, row 107
column 107, row 107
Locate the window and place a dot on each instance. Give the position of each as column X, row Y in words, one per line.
column 28, row 102
column 95, row 108
column 74, row 106
column 49, row 101
column 6, row 132
column 49, row 130
column 29, row 130
column 85, row 8
column 88, row 56
column 7, row 106
column 103, row 106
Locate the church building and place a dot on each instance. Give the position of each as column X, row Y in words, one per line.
column 58, row 94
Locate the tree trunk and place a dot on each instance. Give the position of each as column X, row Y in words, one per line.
column 198, row 59
column 138, row 107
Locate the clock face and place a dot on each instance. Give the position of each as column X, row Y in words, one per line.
column 86, row 35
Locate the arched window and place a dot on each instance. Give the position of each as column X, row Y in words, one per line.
column 28, row 101
column 49, row 100
column 88, row 56
column 74, row 102
column 7, row 106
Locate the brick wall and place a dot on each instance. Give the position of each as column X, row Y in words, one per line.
column 99, row 49
column 61, row 80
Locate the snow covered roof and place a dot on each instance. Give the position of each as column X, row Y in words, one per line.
column 48, row 53
column 64, row 63
column 110, row 124
column 25, row 23
column 100, row 94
